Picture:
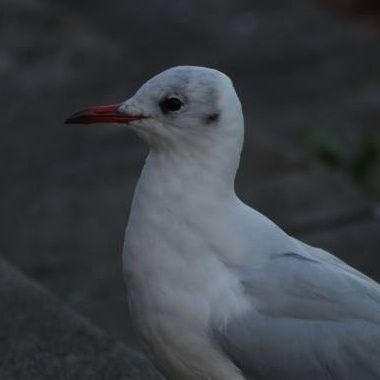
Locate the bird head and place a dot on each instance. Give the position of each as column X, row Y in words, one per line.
column 184, row 105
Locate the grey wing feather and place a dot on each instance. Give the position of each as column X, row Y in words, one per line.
column 312, row 317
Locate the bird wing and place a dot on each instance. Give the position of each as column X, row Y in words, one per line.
column 312, row 317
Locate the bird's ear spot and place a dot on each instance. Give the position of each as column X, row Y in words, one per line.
column 211, row 118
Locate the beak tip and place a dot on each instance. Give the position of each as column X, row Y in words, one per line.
column 78, row 118
column 70, row 120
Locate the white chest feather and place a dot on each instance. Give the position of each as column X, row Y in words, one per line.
column 178, row 283
column 186, row 233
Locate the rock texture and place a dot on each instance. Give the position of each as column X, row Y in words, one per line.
column 42, row 339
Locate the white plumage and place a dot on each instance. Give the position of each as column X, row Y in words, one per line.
column 217, row 290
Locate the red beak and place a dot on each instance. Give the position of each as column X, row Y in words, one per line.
column 102, row 114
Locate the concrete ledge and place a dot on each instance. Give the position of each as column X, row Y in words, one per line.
column 357, row 243
column 307, row 201
column 42, row 339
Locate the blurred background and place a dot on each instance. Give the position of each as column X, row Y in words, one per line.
column 307, row 72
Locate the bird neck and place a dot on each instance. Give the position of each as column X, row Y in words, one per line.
column 191, row 171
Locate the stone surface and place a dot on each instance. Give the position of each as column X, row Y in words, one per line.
column 357, row 243
column 42, row 339
column 307, row 201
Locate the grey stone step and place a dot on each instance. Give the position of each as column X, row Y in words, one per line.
column 310, row 199
column 40, row 338
column 356, row 243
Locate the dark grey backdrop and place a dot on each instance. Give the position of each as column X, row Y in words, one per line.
column 66, row 190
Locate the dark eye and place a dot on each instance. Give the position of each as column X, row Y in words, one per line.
column 171, row 104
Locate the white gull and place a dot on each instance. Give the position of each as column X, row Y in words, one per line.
column 217, row 290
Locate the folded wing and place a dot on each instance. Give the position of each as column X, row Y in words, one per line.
column 312, row 317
